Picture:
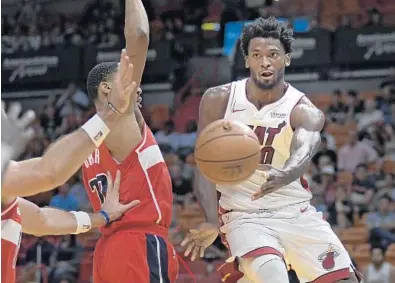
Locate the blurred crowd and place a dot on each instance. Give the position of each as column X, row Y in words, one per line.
column 33, row 26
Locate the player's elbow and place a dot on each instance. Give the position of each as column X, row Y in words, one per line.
column 137, row 35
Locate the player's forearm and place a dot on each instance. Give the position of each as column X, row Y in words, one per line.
column 136, row 22
column 55, row 167
column 206, row 195
column 304, row 146
column 137, row 37
column 58, row 222
column 50, row 221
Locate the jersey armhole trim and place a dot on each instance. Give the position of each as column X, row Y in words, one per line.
column 231, row 100
column 9, row 206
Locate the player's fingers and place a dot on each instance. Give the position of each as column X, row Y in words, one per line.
column 29, row 134
column 264, row 167
column 27, row 118
column 128, row 77
column 123, row 63
column 267, row 185
column 202, row 249
column 256, row 196
column 14, row 111
column 195, row 252
column 130, row 205
column 263, row 193
column 117, row 181
column 131, row 88
column 185, row 241
column 189, row 249
column 109, row 182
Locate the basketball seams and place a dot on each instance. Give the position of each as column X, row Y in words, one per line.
column 223, row 136
column 229, row 160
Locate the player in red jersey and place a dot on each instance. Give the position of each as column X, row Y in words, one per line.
column 36, row 175
column 135, row 248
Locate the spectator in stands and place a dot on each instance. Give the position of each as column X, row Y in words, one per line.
column 50, row 120
column 382, row 223
column 66, row 258
column 379, row 270
column 337, row 110
column 375, row 18
column 167, row 136
column 324, row 187
column 354, row 105
column 188, row 138
column 195, row 11
column 64, row 200
column 385, row 99
column 388, row 136
column 354, row 153
column 386, row 187
column 331, row 142
column 325, row 151
column 370, row 116
column 46, row 251
column 363, row 188
column 340, row 211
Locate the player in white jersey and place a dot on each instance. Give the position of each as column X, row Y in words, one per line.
column 267, row 221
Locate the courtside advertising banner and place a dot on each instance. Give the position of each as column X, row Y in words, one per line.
column 41, row 66
column 365, row 46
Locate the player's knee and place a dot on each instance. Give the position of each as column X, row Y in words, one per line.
column 267, row 268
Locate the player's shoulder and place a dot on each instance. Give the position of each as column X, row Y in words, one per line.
column 307, row 114
column 218, row 92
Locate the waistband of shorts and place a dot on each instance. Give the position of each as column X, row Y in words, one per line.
column 303, row 203
column 148, row 229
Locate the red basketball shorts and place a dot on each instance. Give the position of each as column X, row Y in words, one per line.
column 130, row 257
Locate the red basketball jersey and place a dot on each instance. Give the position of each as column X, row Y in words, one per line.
column 144, row 177
column 11, row 231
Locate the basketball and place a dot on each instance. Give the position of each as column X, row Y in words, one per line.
column 227, row 152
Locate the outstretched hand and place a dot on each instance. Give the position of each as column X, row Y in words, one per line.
column 199, row 239
column 124, row 89
column 16, row 132
column 111, row 204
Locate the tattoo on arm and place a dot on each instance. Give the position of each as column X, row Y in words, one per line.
column 308, row 122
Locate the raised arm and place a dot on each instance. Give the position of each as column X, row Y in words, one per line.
column 50, row 221
column 136, row 36
column 137, row 39
column 65, row 156
column 307, row 122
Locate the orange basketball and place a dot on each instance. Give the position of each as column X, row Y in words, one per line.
column 227, row 152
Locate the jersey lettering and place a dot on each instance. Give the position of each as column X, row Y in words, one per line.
column 99, row 185
column 267, row 151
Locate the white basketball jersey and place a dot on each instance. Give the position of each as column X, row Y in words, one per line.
column 273, row 128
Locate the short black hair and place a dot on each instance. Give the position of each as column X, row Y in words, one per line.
column 267, row 28
column 98, row 74
column 337, row 92
column 363, row 165
column 387, row 197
